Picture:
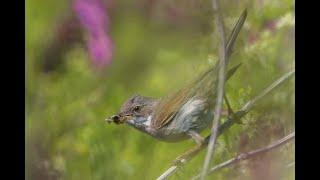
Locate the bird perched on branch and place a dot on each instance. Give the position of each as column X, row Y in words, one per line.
column 183, row 114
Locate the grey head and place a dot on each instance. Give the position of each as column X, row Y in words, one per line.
column 135, row 111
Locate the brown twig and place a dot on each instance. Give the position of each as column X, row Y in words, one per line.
column 235, row 118
column 250, row 154
column 220, row 87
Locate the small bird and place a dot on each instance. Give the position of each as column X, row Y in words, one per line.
column 183, row 114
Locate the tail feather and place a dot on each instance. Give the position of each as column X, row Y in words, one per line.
column 234, row 33
column 230, row 43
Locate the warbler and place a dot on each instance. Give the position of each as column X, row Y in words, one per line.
column 180, row 115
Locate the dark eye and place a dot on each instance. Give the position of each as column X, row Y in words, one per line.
column 137, row 108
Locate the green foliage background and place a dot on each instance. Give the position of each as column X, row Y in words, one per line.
column 66, row 135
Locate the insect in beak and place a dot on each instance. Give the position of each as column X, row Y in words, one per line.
column 118, row 119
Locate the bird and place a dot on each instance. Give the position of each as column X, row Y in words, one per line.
column 183, row 114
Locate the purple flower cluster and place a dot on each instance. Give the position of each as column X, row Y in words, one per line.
column 93, row 17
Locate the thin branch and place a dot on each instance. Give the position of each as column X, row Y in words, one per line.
column 250, row 154
column 233, row 119
column 249, row 105
column 267, row 90
column 220, row 87
column 168, row 172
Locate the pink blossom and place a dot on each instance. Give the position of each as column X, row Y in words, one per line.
column 94, row 18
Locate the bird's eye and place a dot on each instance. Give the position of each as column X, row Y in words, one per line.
column 136, row 108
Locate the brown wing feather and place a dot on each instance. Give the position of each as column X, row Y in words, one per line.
column 168, row 108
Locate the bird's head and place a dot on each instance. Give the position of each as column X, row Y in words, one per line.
column 136, row 109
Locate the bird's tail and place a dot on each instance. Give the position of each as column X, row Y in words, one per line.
column 209, row 77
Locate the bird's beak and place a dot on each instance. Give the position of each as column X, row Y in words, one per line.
column 119, row 118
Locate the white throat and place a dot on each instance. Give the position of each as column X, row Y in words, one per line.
column 148, row 121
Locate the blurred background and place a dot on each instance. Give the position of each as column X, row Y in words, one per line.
column 84, row 58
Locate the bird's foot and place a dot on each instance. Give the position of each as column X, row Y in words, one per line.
column 196, row 137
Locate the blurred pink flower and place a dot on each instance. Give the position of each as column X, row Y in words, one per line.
column 100, row 49
column 94, row 18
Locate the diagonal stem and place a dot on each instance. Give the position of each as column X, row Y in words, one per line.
column 267, row 90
